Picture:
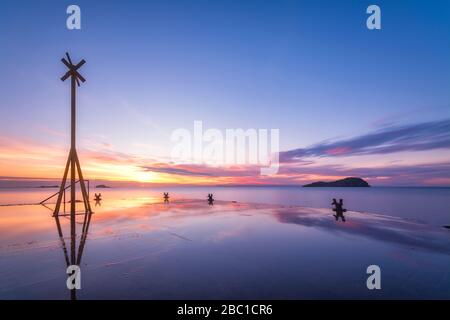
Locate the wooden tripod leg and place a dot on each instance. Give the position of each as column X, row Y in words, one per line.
column 72, row 209
column 85, row 220
column 87, row 205
column 63, row 185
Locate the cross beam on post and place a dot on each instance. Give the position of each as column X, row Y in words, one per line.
column 73, row 162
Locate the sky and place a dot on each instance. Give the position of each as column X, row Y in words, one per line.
column 348, row 101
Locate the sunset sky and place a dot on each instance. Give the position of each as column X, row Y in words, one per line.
column 348, row 101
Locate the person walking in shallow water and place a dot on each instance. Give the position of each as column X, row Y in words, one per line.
column 210, row 199
column 338, row 209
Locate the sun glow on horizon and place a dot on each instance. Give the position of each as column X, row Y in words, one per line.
column 26, row 159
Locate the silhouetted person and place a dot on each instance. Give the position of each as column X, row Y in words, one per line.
column 98, row 197
column 210, row 199
column 338, row 209
column 166, row 197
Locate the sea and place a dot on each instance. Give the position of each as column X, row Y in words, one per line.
column 429, row 205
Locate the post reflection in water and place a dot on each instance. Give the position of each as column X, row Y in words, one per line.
column 75, row 255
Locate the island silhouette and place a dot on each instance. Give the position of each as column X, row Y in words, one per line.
column 102, row 186
column 347, row 182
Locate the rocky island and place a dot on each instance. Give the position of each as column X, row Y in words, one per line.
column 347, row 182
column 102, row 186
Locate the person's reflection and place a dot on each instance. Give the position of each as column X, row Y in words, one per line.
column 75, row 255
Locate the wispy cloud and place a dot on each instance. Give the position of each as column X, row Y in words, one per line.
column 412, row 137
column 166, row 168
column 416, row 174
column 103, row 161
column 51, row 131
column 202, row 170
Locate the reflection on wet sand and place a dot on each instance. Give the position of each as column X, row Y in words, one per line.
column 75, row 253
column 378, row 227
column 188, row 249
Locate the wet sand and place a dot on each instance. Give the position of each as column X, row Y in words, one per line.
column 140, row 248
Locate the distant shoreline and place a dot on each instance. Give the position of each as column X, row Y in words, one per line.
column 232, row 186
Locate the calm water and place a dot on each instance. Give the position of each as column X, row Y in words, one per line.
column 140, row 248
column 426, row 205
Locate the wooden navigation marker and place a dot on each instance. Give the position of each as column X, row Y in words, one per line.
column 73, row 163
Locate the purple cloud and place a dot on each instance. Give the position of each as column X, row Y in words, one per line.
column 175, row 170
column 412, row 137
column 202, row 170
column 395, row 174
